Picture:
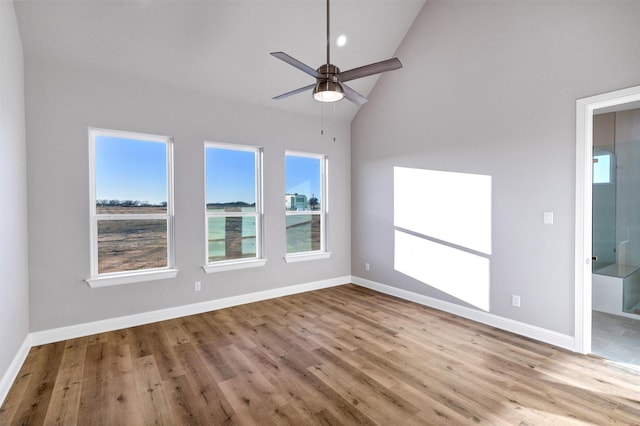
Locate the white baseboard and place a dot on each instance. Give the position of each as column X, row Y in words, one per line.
column 7, row 379
column 87, row 329
column 547, row 336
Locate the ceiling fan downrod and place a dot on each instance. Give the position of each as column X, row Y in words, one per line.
column 328, row 35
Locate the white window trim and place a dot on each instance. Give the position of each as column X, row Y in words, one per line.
column 323, row 252
column 243, row 263
column 117, row 278
column 308, row 255
column 231, row 265
column 134, row 277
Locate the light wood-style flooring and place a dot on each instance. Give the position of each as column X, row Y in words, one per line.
column 338, row 356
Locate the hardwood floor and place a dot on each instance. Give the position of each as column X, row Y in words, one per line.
column 338, row 356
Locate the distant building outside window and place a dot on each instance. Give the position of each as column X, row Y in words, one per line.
column 305, row 202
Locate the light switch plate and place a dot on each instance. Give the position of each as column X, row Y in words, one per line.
column 548, row 218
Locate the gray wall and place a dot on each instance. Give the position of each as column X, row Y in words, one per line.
column 14, row 273
column 63, row 101
column 490, row 88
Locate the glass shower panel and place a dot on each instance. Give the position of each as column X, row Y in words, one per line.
column 604, row 209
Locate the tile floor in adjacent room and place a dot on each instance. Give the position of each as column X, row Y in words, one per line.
column 616, row 338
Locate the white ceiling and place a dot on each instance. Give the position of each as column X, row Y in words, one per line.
column 220, row 47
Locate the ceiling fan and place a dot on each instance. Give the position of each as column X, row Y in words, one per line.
column 330, row 81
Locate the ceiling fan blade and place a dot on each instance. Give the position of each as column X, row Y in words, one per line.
column 296, row 63
column 352, row 95
column 295, row 92
column 371, row 69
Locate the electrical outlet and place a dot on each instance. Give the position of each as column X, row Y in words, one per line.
column 515, row 301
column 197, row 286
column 366, row 266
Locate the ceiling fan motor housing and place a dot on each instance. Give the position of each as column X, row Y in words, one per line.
column 329, row 71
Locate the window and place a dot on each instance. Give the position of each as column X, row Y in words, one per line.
column 603, row 168
column 233, row 207
column 305, row 202
column 131, row 207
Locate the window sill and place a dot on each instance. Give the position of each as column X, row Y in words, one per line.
column 134, row 277
column 302, row 257
column 233, row 265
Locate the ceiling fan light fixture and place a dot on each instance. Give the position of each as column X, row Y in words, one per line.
column 328, row 91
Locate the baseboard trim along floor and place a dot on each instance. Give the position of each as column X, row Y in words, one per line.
column 64, row 333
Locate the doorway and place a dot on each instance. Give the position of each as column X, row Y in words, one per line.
column 585, row 109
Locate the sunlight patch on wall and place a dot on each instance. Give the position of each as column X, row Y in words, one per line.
column 452, row 207
column 443, row 231
column 461, row 274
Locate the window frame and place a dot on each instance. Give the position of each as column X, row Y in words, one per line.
column 323, row 252
column 139, row 275
column 241, row 263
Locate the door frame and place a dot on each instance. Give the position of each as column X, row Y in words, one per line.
column 585, row 108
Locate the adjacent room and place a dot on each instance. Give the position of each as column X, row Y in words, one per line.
column 319, row 212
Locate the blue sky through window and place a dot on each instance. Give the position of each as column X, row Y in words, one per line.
column 130, row 169
column 231, row 176
column 303, row 176
column 602, row 168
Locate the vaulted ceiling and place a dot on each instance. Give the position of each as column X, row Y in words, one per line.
column 219, row 47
